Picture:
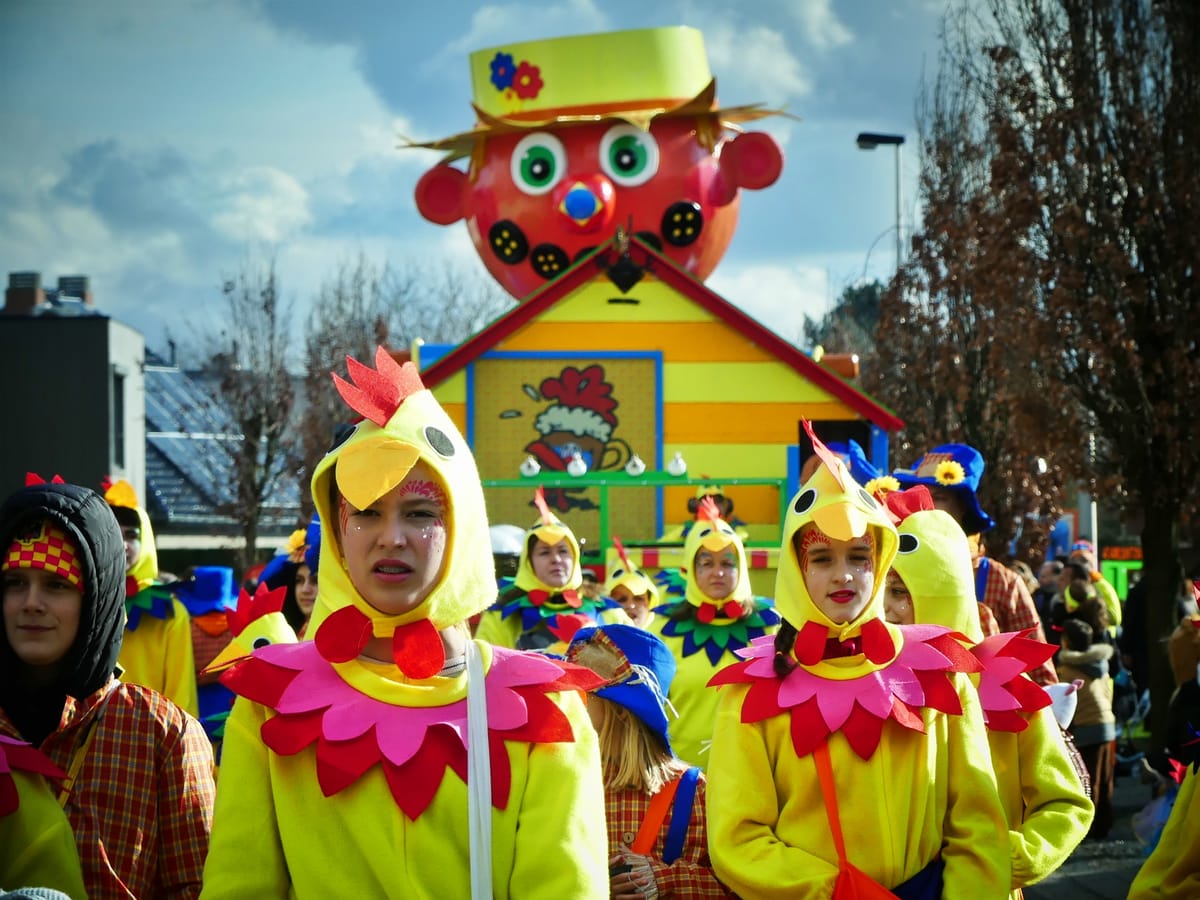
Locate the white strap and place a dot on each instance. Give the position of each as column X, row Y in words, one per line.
column 479, row 778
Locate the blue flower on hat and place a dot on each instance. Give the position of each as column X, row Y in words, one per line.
column 504, row 67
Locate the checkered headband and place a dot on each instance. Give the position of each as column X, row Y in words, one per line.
column 44, row 545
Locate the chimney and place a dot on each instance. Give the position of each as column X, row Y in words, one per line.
column 24, row 293
column 75, row 286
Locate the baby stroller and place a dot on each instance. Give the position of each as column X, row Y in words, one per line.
column 1131, row 708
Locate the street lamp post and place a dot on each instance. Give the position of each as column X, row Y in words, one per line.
column 869, row 140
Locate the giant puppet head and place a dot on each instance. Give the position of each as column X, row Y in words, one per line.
column 579, row 135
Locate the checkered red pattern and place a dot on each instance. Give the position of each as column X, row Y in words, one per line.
column 689, row 876
column 141, row 807
column 48, row 549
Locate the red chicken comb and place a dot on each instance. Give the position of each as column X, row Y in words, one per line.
column 624, row 557
column 377, row 393
column 264, row 602
column 708, row 511
column 832, row 461
column 32, row 478
column 902, row 504
column 539, row 500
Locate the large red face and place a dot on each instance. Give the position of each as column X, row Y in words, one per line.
column 541, row 199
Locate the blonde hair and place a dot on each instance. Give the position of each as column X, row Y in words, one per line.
column 632, row 755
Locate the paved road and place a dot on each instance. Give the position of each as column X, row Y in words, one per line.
column 1102, row 870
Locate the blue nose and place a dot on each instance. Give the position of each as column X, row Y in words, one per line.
column 580, row 203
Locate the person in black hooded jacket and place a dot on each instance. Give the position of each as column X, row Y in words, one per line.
column 139, row 786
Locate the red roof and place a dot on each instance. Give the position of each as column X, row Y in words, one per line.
column 665, row 270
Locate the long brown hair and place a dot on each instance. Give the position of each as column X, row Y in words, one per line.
column 633, row 756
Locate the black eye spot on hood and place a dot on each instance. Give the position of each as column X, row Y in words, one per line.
column 805, row 501
column 261, row 642
column 867, row 498
column 439, row 441
column 908, row 543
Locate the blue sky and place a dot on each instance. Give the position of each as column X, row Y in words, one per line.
column 156, row 145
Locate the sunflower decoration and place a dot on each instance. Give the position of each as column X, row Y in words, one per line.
column 881, row 486
column 949, row 473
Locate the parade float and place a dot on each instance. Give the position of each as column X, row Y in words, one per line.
column 601, row 185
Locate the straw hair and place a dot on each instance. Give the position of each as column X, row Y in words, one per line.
column 633, row 756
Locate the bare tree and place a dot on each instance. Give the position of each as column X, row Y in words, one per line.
column 1050, row 307
column 247, row 376
column 364, row 305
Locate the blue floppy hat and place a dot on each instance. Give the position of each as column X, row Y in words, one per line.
column 210, row 589
column 957, row 467
column 637, row 666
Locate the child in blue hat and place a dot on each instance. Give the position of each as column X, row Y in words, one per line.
column 654, row 802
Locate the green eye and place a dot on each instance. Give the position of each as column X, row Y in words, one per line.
column 538, row 163
column 628, row 155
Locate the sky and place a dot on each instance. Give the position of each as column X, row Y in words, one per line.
column 161, row 146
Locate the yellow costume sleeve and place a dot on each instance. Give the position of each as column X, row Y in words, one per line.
column 245, row 857
column 1048, row 811
column 497, row 630
column 37, row 841
column 1172, row 871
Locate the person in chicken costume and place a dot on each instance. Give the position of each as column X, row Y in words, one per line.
column 378, row 759
column 545, row 590
column 1047, row 806
column 157, row 648
column 849, row 754
column 578, row 135
column 718, row 616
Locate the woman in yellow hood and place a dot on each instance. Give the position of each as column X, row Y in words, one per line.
column 1047, row 807
column 382, row 744
column 544, row 605
column 717, row 616
column 847, row 749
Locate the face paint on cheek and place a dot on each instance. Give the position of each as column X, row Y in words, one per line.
column 343, row 515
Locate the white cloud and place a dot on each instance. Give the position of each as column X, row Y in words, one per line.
column 755, row 58
column 779, row 295
column 262, row 204
column 822, row 28
column 496, row 24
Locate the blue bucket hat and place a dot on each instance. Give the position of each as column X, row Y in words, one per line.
column 638, row 668
column 210, row 589
column 957, row 467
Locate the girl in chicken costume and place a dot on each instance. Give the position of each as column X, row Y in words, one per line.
column 704, row 631
column 355, row 747
column 850, row 754
column 527, row 614
column 1047, row 807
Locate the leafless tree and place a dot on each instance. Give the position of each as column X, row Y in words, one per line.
column 1050, row 307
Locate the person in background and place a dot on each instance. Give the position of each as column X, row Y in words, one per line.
column 931, row 583
column 631, row 588
column 717, row 616
column 952, row 473
column 1093, row 726
column 139, row 787
column 654, row 802
column 1082, row 551
column 157, row 650
column 207, row 593
column 589, row 585
column 296, row 569
column 826, row 774
column 391, row 755
column 715, row 493
column 546, row 590
column 1047, row 590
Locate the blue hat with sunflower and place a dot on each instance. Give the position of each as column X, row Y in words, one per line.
column 957, row 467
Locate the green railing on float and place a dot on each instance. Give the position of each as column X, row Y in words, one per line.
column 605, row 481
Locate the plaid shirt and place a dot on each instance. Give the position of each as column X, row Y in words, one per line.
column 690, row 876
column 1006, row 595
column 141, row 806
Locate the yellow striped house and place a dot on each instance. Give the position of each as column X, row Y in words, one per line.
column 662, row 368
